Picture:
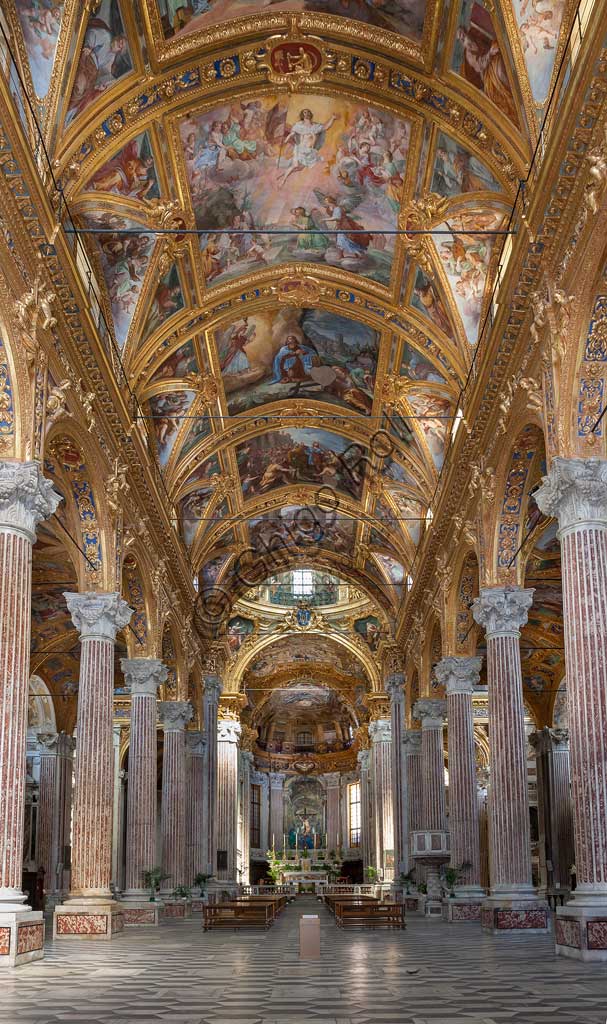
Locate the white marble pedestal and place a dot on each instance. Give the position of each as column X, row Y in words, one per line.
column 21, row 937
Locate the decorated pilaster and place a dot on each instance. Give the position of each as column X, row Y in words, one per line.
column 90, row 909
column 332, row 782
column 366, row 816
column 228, row 736
column 26, row 499
column 212, row 690
column 380, row 734
column 513, row 904
column 54, row 811
column 195, row 824
column 395, row 688
column 555, row 812
column 430, row 844
column 459, row 676
column 174, row 716
column 143, row 676
column 277, row 809
column 575, row 491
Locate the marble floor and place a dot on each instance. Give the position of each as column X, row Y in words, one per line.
column 429, row 974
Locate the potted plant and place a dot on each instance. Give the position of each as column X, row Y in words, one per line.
column 181, row 892
column 305, row 853
column 152, row 880
column 276, row 866
column 371, row 873
column 451, row 878
column 407, row 881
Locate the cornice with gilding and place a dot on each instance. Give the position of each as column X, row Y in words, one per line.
column 556, row 200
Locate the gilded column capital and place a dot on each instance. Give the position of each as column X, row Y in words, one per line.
column 575, row 492
column 143, row 675
column 26, row 498
column 458, row 674
column 97, row 615
column 174, row 715
column 431, row 713
column 502, row 610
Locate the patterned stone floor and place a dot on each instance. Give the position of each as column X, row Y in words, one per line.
column 430, row 974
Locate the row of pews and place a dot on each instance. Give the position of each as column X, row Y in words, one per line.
column 243, row 912
column 364, row 911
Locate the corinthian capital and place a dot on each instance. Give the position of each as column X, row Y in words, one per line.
column 98, row 616
column 26, row 498
column 380, row 731
column 458, row 675
column 412, row 742
column 212, row 689
column 174, row 715
column 502, row 610
column 143, row 675
column 431, row 713
column 575, row 492
column 395, row 686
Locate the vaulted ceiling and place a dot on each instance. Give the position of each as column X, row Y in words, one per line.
column 293, row 213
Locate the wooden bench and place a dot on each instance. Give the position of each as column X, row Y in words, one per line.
column 333, row 900
column 238, row 915
column 370, row 915
column 276, row 903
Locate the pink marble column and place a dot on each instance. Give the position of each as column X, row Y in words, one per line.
column 575, row 491
column 212, row 690
column 460, row 676
column 332, row 782
column 246, row 767
column 195, row 838
column 228, row 737
column 277, row 808
column 431, row 713
column 512, row 904
column 395, row 688
column 90, row 908
column 26, row 498
column 143, row 676
column 174, row 716
column 414, row 795
column 380, row 734
column 366, row 816
column 54, row 810
column 555, row 812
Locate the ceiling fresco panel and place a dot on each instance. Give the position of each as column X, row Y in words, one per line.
column 131, row 173
column 181, row 18
column 478, row 57
column 40, row 23
column 298, row 353
column 104, row 59
column 300, row 455
column 125, row 250
column 539, row 25
column 327, row 170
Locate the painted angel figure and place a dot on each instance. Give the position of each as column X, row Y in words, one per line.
column 351, row 240
column 307, row 137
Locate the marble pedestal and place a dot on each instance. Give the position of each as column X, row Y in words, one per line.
column 462, row 908
column 177, row 908
column 581, row 932
column 21, row 937
column 139, row 912
column 500, row 914
column 88, row 919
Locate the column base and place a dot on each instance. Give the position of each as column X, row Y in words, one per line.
column 86, row 919
column 581, row 931
column 21, row 937
column 177, row 908
column 462, row 908
column 504, row 914
column 414, row 901
column 140, row 911
column 433, row 908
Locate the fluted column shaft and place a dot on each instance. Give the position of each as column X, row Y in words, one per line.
column 195, row 824
column 54, row 807
column 277, row 808
column 380, row 733
column 502, row 611
column 460, row 676
column 333, row 784
column 26, row 498
column 174, row 716
column 395, row 687
column 228, row 736
column 554, row 804
column 576, row 492
column 212, row 690
column 97, row 616
column 143, row 676
column 246, row 765
column 431, row 713
column 365, row 808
